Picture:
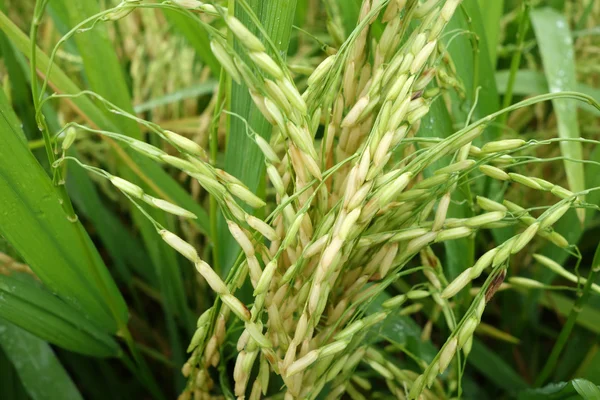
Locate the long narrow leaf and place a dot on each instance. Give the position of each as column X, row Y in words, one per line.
column 573, row 390
column 200, row 89
column 528, row 83
column 589, row 317
column 40, row 372
column 10, row 383
column 556, row 48
column 473, row 67
column 491, row 13
column 35, row 309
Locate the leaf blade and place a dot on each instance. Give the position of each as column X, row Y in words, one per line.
column 491, row 13
column 38, row 311
column 41, row 373
column 528, row 82
column 556, row 48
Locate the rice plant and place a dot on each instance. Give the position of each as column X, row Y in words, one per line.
column 334, row 205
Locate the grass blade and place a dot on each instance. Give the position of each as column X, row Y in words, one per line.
column 573, row 390
column 19, row 87
column 348, row 11
column 556, row 48
column 528, row 83
column 41, row 373
column 95, row 48
column 516, row 58
column 553, row 391
column 97, row 379
column 400, row 330
column 491, row 13
column 473, row 66
column 197, row 90
column 35, row 309
column 586, row 389
column 590, row 367
column 10, row 383
column 589, row 317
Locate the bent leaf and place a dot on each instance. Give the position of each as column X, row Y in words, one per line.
column 59, row 251
column 42, row 375
column 529, row 82
column 38, row 311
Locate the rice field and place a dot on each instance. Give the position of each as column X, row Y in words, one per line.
column 299, row 199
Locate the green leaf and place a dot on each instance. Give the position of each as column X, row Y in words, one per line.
column 491, row 14
column 586, row 389
column 58, row 250
column 10, row 383
column 573, row 390
column 553, row 391
column 197, row 90
column 437, row 123
column 19, row 88
column 35, row 309
column 577, row 356
column 590, row 367
column 473, row 67
column 41, row 373
column 556, row 48
column 98, row 379
column 277, row 18
column 349, row 10
column 555, row 43
column 528, row 82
